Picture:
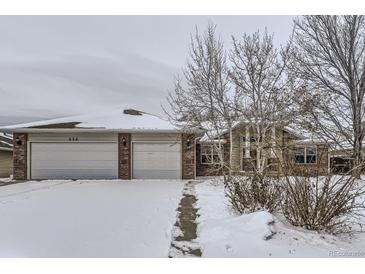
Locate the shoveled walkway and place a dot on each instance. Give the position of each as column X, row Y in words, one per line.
column 184, row 242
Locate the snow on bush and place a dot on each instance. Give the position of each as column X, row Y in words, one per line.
column 330, row 203
column 253, row 193
column 223, row 233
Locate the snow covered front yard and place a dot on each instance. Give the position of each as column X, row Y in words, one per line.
column 88, row 218
column 114, row 218
column 222, row 233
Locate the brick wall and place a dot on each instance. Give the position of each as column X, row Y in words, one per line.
column 20, row 156
column 188, row 156
column 320, row 168
column 124, row 156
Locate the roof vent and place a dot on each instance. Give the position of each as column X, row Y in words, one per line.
column 132, row 112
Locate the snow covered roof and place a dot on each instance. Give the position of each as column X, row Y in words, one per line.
column 212, row 134
column 128, row 120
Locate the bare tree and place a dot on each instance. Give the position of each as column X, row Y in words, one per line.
column 330, row 60
column 265, row 88
column 203, row 98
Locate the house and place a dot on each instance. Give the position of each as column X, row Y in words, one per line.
column 288, row 151
column 124, row 144
column 6, row 155
column 132, row 144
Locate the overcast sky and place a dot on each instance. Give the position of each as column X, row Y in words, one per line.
column 53, row 66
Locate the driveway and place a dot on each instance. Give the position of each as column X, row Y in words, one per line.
column 88, row 218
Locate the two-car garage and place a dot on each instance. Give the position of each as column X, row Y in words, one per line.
column 74, row 160
column 111, row 144
column 99, row 160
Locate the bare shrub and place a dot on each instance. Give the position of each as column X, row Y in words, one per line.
column 253, row 193
column 330, row 203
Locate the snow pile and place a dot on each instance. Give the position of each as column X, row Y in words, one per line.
column 106, row 218
column 222, row 233
column 109, row 119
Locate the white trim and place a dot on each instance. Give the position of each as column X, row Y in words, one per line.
column 74, row 130
column 6, row 149
column 29, row 167
column 247, row 143
column 73, row 141
column 195, row 163
column 273, row 141
column 158, row 142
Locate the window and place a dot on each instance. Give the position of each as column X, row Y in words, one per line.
column 311, row 155
column 252, row 139
column 209, row 154
column 299, row 155
column 305, row 155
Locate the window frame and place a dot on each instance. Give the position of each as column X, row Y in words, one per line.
column 306, row 147
column 213, row 149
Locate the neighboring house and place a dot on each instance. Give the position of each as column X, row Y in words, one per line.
column 288, row 151
column 131, row 144
column 6, row 155
column 125, row 144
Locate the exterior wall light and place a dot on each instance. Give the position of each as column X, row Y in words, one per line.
column 18, row 141
column 188, row 143
column 124, row 142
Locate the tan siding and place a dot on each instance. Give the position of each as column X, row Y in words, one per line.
column 283, row 154
column 156, row 137
column 236, row 150
column 64, row 137
column 6, row 163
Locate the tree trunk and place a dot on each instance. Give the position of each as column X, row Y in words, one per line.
column 357, row 153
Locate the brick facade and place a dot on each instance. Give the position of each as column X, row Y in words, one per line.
column 188, row 147
column 124, row 156
column 320, row 168
column 20, row 156
column 191, row 160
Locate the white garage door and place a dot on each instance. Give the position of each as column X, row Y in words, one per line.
column 156, row 160
column 74, row 161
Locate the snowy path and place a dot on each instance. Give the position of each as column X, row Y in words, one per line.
column 184, row 242
column 88, row 218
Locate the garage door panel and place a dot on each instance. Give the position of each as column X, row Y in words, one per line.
column 156, row 174
column 149, row 156
column 156, row 147
column 156, row 160
column 73, row 156
column 159, row 165
column 74, row 146
column 74, row 164
column 74, row 160
column 76, row 174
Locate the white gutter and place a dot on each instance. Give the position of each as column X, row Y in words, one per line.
column 306, row 141
column 94, row 130
column 222, row 141
column 6, row 149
